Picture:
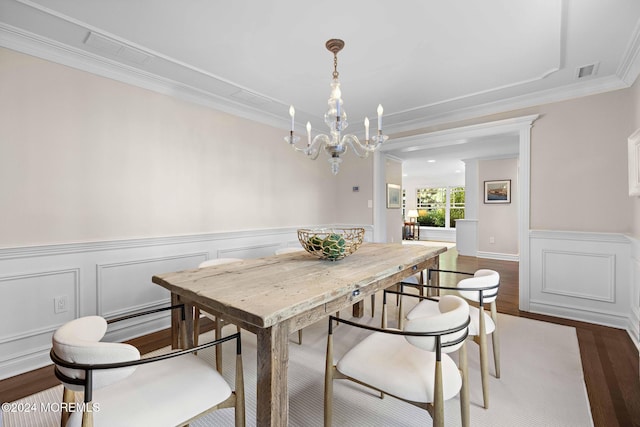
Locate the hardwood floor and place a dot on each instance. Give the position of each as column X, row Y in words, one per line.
column 609, row 357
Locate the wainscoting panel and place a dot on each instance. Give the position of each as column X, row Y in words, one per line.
column 581, row 276
column 39, row 291
column 109, row 278
column 592, row 276
column 126, row 287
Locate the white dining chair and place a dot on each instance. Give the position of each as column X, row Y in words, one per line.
column 412, row 365
column 480, row 287
column 121, row 389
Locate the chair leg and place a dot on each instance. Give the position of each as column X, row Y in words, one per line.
column 299, row 336
column 400, row 311
column 328, row 383
column 240, row 410
column 383, row 324
column 495, row 340
column 484, row 359
column 373, row 305
column 68, row 397
column 438, row 399
column 196, row 326
column 87, row 416
column 464, row 391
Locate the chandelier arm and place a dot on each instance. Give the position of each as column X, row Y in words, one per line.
column 358, row 148
column 313, row 150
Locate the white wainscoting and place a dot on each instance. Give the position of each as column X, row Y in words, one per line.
column 583, row 276
column 634, row 318
column 438, row 234
column 111, row 279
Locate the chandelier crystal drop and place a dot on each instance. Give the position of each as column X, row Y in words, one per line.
column 335, row 144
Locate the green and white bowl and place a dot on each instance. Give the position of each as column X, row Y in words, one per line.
column 333, row 243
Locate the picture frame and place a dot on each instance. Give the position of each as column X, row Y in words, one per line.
column 634, row 163
column 496, row 192
column 394, row 196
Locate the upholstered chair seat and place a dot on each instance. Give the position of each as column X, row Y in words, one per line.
column 151, row 396
column 411, row 364
column 407, row 370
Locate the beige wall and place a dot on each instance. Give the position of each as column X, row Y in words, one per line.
column 498, row 222
column 86, row 158
column 352, row 207
column 635, row 95
column 393, row 175
column 578, row 164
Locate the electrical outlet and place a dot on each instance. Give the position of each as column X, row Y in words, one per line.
column 492, row 239
column 60, row 304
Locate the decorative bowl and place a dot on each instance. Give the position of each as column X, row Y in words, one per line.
column 331, row 243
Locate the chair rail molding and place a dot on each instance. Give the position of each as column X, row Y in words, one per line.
column 585, row 276
column 108, row 278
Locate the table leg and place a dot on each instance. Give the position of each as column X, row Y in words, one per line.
column 175, row 322
column 272, row 404
column 181, row 332
column 358, row 309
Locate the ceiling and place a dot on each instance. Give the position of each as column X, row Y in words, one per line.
column 426, row 61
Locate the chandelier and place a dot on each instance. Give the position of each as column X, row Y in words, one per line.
column 335, row 144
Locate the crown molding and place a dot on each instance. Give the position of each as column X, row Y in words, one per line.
column 460, row 135
column 42, row 47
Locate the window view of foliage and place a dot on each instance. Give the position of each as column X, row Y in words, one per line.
column 432, row 206
column 456, row 205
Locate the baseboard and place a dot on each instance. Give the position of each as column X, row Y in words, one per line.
column 498, row 256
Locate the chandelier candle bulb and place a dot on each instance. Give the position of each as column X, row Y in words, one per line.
column 308, row 134
column 292, row 113
column 366, row 129
column 380, row 110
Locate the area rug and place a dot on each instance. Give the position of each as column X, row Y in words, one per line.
column 541, row 383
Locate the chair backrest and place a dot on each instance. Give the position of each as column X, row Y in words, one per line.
column 78, row 341
column 288, row 250
column 454, row 313
column 488, row 280
column 217, row 261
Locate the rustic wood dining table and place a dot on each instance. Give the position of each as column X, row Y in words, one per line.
column 277, row 295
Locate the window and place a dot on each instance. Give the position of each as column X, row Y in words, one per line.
column 440, row 207
column 456, row 205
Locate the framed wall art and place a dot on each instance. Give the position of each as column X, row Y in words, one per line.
column 497, row 191
column 394, row 196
